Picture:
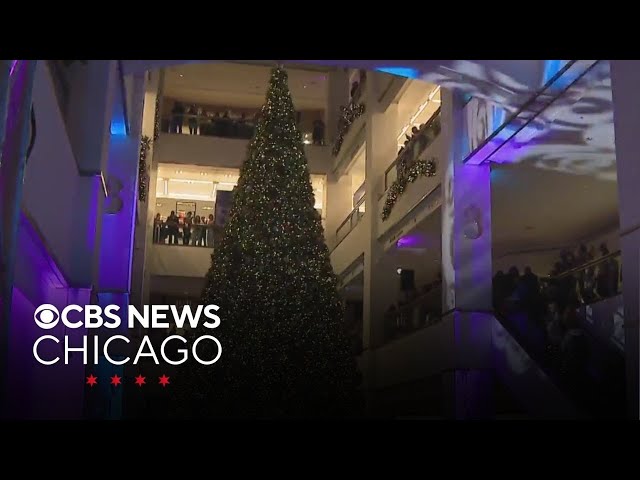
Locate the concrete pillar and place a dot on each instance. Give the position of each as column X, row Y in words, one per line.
column 337, row 96
column 146, row 210
column 381, row 150
column 14, row 151
column 119, row 220
column 625, row 78
column 88, row 121
column 466, row 267
column 117, row 240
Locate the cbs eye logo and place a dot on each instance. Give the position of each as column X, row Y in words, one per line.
column 46, row 316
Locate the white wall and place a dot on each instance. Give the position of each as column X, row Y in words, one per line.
column 351, row 247
column 179, row 261
column 223, row 152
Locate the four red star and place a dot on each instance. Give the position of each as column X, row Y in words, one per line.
column 139, row 380
column 163, row 380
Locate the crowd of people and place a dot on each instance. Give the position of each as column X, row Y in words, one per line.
column 226, row 124
column 551, row 304
column 198, row 231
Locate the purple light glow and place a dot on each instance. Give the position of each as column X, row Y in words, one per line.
column 13, row 67
column 409, row 241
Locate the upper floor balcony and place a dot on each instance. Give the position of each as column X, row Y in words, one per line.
column 208, row 141
column 412, row 176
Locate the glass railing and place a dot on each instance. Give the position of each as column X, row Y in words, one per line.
column 208, row 126
column 423, row 310
column 592, row 281
column 351, row 221
column 410, row 153
column 177, row 233
column 223, row 127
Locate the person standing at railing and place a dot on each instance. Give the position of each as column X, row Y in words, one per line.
column 178, row 117
column 203, row 119
column 209, row 240
column 186, row 228
column 172, row 228
column 157, row 228
column 318, row 132
column 197, row 232
column 193, row 120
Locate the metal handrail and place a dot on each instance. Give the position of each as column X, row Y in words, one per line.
column 585, row 266
column 424, row 128
column 350, row 216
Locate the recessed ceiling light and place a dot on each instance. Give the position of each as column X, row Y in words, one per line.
column 181, row 75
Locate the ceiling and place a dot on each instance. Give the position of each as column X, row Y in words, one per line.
column 242, row 85
column 535, row 208
column 507, row 82
column 556, row 183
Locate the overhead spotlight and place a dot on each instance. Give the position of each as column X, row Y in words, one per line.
column 399, row 271
column 181, row 75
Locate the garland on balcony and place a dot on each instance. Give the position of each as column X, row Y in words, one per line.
column 421, row 168
column 348, row 115
column 143, row 179
column 156, row 119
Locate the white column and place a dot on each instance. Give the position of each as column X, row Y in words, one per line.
column 89, row 111
column 381, row 150
column 625, row 78
column 119, row 219
column 466, row 267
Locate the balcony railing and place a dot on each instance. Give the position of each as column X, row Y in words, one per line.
column 197, row 235
column 410, row 153
column 593, row 281
column 223, row 127
column 208, row 125
column 351, row 221
column 422, row 311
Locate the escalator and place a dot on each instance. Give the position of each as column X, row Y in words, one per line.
column 587, row 369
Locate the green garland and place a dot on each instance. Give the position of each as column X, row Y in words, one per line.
column 421, row 168
column 143, row 180
column 156, row 120
column 348, row 115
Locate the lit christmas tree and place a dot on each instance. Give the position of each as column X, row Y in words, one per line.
column 285, row 349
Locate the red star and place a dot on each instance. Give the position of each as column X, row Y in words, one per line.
column 115, row 380
column 164, row 380
column 91, row 380
column 140, row 380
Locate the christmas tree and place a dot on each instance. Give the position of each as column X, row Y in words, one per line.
column 285, row 349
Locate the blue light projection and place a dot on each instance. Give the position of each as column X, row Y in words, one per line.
column 405, row 72
column 552, row 68
column 118, row 127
